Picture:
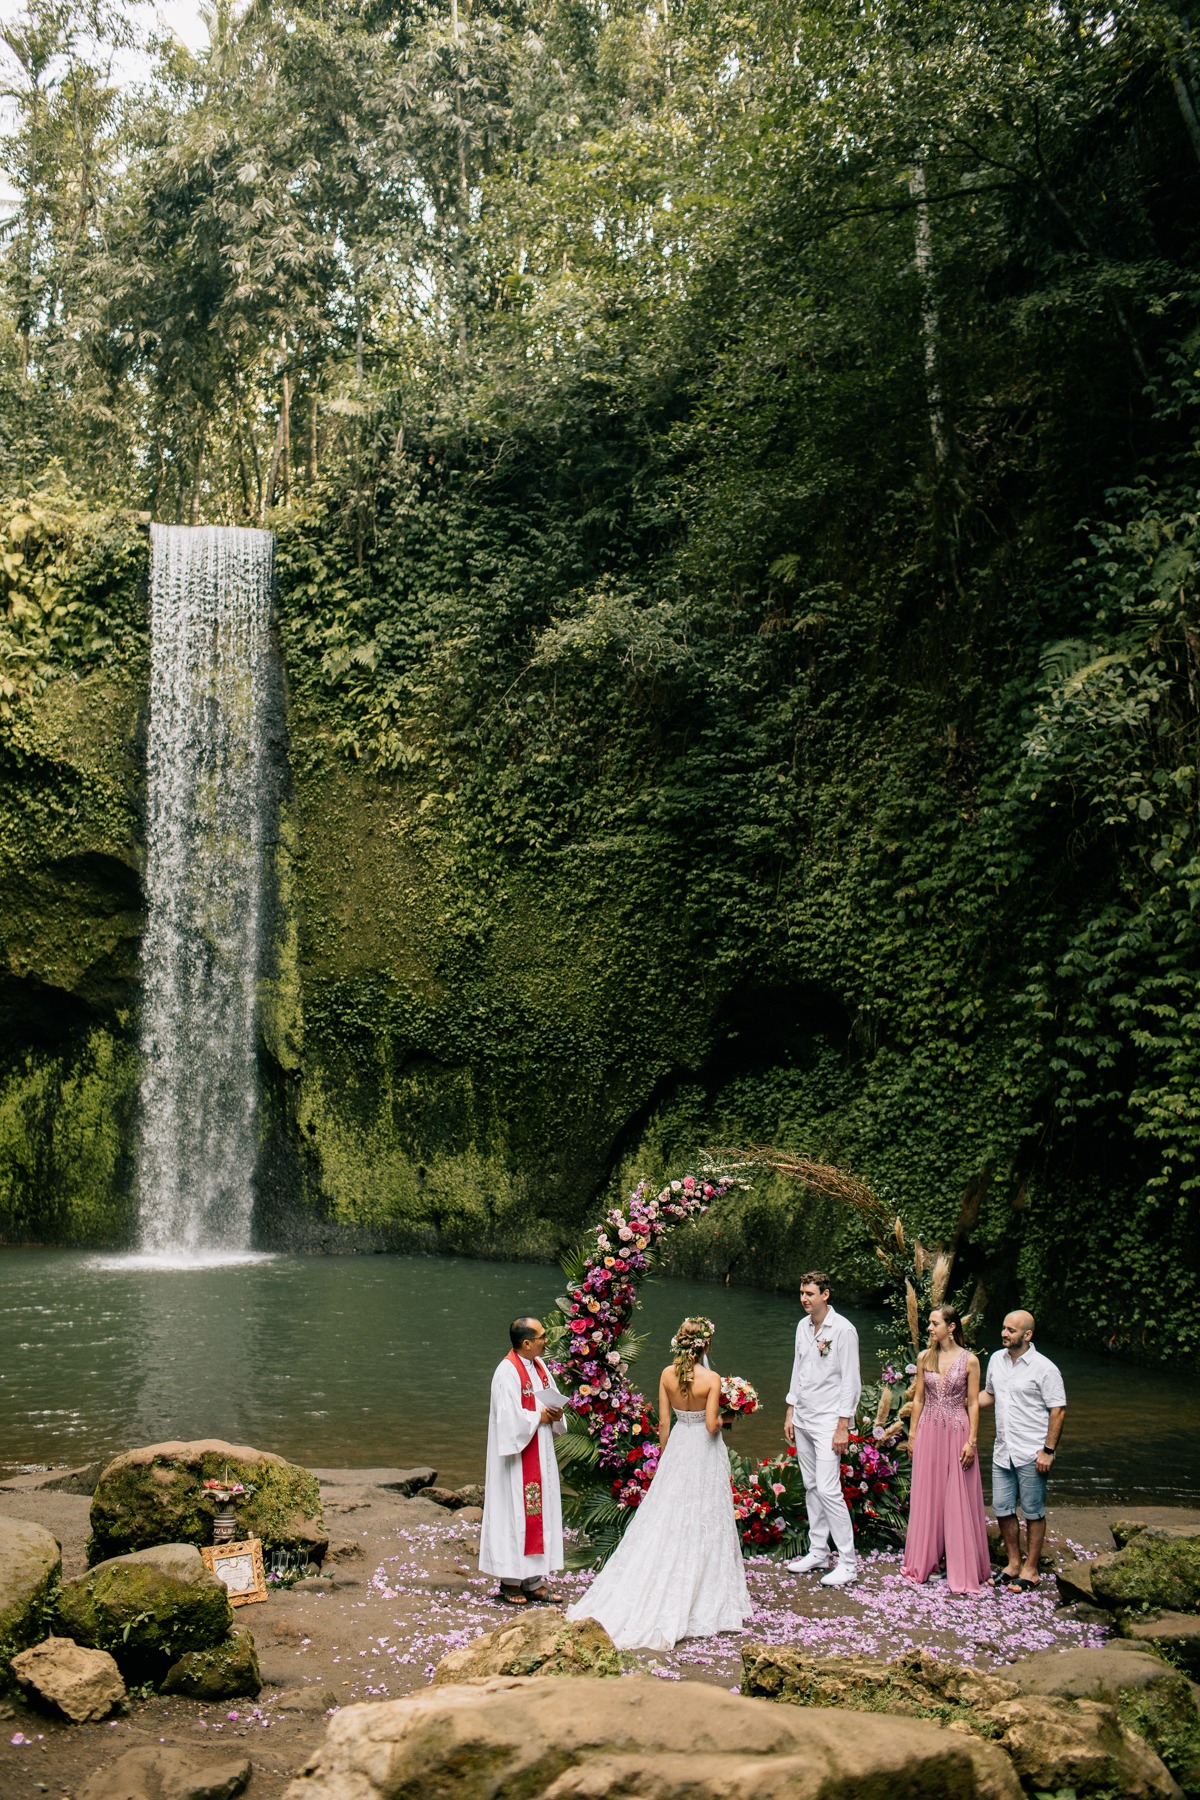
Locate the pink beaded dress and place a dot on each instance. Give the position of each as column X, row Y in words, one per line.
column 946, row 1517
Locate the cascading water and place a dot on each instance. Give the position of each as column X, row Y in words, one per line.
column 210, row 621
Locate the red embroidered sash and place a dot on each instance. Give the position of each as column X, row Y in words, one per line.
column 531, row 1460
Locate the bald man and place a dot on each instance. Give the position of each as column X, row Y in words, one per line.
column 1031, row 1404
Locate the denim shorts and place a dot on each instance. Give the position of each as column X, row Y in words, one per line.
column 1024, row 1484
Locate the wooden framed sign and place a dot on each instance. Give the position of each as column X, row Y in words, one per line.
column 240, row 1567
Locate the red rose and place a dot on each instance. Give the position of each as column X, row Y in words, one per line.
column 578, row 1326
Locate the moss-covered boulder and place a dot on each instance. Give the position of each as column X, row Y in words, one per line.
column 1174, row 1636
column 1152, row 1698
column 1055, row 1742
column 1154, row 1568
column 537, row 1643
column 30, row 1565
column 155, row 1495
column 229, row 1671
column 147, row 1609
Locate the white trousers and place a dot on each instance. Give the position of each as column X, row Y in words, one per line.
column 821, row 1471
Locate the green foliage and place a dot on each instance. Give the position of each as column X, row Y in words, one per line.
column 735, row 478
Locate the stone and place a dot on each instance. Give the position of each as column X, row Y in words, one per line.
column 1074, row 1581
column 1124, row 1529
column 450, row 1498
column 30, row 1565
column 155, row 1495
column 470, row 1515
column 147, row 1609
column 396, row 1481
column 471, row 1494
column 81, row 1684
column 346, row 1550
column 1080, row 1745
column 1054, row 1741
column 161, row 1772
column 553, row 1740
column 1175, row 1636
column 539, row 1642
column 1155, row 1568
column 56, row 1481
column 1152, row 1699
column 229, row 1671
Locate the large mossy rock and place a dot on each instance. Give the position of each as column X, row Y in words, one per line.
column 1152, row 1698
column 229, row 1671
column 147, row 1609
column 659, row 1741
column 1154, row 1568
column 155, row 1495
column 1055, row 1742
column 30, row 1566
column 536, row 1643
column 1175, row 1636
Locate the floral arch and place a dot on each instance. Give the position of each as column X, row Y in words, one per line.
column 610, row 1451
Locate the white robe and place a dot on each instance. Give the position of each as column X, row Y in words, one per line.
column 502, row 1535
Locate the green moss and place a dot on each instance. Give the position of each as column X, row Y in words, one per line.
column 228, row 1671
column 65, row 1126
column 1166, row 1715
column 1154, row 1569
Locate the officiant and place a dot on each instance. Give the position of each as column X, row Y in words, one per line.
column 521, row 1539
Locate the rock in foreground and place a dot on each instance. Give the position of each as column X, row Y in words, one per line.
column 536, row 1643
column 30, row 1564
column 1152, row 1698
column 229, row 1671
column 1054, row 1742
column 147, row 1609
column 167, row 1774
column 81, row 1684
column 550, row 1740
column 156, row 1496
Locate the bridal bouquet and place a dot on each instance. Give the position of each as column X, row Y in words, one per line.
column 737, row 1395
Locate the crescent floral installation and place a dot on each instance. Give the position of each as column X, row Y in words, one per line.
column 610, row 1450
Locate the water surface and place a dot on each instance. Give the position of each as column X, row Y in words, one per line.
column 386, row 1360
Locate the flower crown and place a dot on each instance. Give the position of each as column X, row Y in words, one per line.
column 691, row 1333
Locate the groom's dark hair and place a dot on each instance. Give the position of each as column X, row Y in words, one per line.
column 521, row 1330
column 816, row 1278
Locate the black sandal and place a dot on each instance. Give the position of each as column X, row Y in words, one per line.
column 1026, row 1586
column 544, row 1597
column 512, row 1596
column 1002, row 1580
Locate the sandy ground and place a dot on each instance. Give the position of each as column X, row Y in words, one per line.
column 401, row 1588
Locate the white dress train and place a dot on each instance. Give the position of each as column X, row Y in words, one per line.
column 678, row 1571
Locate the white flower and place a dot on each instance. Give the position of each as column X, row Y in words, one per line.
column 677, row 1187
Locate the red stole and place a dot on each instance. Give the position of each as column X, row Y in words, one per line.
column 531, row 1461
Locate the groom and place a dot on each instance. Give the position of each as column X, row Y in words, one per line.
column 521, row 1539
column 822, row 1402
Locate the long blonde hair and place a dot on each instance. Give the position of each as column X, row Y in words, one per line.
column 690, row 1341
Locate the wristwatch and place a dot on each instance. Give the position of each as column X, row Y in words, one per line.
column 1049, row 1450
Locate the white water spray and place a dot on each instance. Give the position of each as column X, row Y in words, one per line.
column 197, row 1142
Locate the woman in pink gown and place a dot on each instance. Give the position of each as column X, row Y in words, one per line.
column 946, row 1518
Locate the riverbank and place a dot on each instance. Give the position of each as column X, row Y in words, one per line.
column 400, row 1588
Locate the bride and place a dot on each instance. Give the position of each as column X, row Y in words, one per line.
column 678, row 1570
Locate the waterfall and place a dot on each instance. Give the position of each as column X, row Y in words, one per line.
column 197, row 1137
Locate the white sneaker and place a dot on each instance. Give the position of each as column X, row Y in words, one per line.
column 841, row 1575
column 804, row 1565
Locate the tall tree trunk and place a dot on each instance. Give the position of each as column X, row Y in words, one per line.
column 197, row 465
column 1183, row 96
column 930, row 319
column 268, row 496
column 312, row 440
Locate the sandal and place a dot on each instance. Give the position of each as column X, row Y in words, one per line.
column 544, row 1597
column 1002, row 1580
column 512, row 1597
column 1026, row 1586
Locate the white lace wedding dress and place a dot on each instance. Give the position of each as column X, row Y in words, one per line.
column 678, row 1571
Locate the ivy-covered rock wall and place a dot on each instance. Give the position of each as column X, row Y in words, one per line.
column 558, row 904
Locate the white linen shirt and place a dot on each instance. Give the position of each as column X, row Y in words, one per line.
column 1024, row 1392
column 825, row 1387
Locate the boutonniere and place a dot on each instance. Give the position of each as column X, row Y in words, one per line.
column 824, row 1346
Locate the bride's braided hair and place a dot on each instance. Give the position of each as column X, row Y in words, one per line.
column 690, row 1341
